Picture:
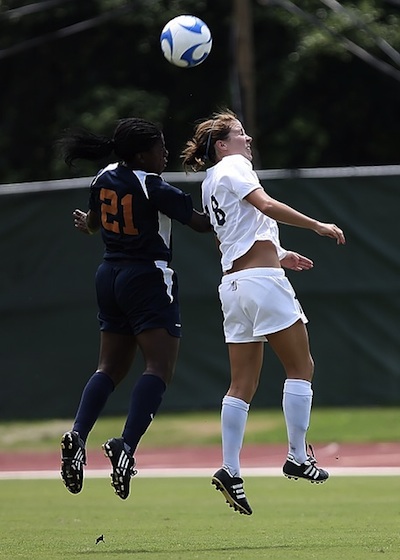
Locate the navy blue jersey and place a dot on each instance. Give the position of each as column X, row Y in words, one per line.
column 136, row 209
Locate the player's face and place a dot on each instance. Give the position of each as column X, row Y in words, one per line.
column 238, row 142
column 155, row 159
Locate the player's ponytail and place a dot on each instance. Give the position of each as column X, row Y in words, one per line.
column 82, row 144
column 131, row 136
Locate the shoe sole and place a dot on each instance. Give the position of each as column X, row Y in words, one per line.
column 294, row 477
column 71, row 476
column 229, row 500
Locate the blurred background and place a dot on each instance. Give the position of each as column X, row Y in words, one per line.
column 316, row 84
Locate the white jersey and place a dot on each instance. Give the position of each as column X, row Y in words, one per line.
column 237, row 223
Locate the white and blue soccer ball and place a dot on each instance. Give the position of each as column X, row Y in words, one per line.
column 186, row 41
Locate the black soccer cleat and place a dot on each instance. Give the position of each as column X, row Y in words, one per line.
column 73, row 457
column 123, row 466
column 233, row 491
column 307, row 470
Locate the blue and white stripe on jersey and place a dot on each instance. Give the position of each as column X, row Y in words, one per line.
column 167, row 276
column 164, row 223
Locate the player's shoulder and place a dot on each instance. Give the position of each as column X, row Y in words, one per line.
column 157, row 182
column 235, row 168
column 154, row 179
column 105, row 171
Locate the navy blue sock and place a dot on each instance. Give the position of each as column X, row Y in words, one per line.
column 146, row 398
column 94, row 397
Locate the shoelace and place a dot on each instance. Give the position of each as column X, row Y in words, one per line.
column 311, row 454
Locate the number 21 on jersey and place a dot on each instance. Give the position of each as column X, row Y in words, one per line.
column 109, row 209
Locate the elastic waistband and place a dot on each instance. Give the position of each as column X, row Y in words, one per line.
column 252, row 273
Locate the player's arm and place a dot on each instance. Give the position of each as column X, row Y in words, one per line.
column 176, row 204
column 86, row 222
column 287, row 215
column 200, row 222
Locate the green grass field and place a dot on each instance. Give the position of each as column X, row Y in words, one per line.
column 170, row 519
column 203, row 428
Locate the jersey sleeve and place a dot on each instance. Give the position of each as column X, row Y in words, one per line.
column 281, row 252
column 93, row 203
column 243, row 180
column 169, row 200
column 95, row 186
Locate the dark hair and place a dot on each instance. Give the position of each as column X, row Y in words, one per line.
column 200, row 150
column 131, row 136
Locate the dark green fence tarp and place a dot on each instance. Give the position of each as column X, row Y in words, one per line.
column 49, row 332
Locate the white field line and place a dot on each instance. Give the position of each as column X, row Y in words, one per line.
column 201, row 472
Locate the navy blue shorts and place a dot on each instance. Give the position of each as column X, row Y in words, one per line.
column 133, row 297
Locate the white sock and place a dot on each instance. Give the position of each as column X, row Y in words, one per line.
column 296, row 404
column 233, row 424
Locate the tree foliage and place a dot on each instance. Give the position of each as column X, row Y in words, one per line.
column 330, row 107
column 68, row 63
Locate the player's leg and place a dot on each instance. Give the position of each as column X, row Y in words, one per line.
column 245, row 362
column 157, row 326
column 160, row 351
column 148, row 293
column 245, row 356
column 117, row 352
column 291, row 346
column 115, row 359
column 117, row 348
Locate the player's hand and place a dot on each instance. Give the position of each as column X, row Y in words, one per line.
column 294, row 261
column 331, row 230
column 80, row 221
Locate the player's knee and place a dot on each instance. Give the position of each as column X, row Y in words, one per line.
column 302, row 370
column 164, row 372
column 244, row 390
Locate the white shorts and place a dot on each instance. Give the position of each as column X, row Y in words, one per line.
column 257, row 302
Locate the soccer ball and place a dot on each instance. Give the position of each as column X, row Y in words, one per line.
column 186, row 41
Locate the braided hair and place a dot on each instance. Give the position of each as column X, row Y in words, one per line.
column 131, row 136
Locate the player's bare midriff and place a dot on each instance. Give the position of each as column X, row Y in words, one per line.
column 262, row 254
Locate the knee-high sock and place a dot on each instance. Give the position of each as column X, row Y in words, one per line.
column 145, row 400
column 234, row 414
column 296, row 404
column 94, row 397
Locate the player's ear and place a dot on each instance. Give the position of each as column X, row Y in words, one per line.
column 220, row 144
